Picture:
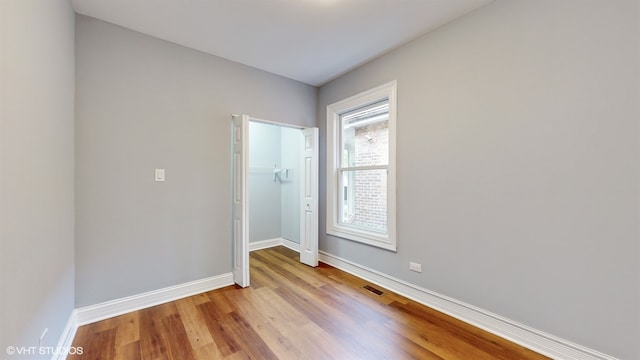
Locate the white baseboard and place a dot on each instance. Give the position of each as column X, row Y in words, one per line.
column 269, row 243
column 105, row 310
column 90, row 314
column 536, row 340
column 66, row 338
column 526, row 336
column 263, row 244
column 291, row 245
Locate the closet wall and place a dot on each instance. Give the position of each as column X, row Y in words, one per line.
column 274, row 199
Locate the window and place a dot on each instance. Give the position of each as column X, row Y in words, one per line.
column 361, row 167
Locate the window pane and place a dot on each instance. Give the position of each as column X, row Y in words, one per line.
column 363, row 202
column 365, row 135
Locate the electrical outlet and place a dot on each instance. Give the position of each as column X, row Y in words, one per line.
column 43, row 337
column 415, row 267
column 159, row 174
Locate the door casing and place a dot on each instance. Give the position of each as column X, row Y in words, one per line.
column 240, row 196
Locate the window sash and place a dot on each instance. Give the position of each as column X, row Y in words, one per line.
column 359, row 119
column 364, row 211
column 372, row 167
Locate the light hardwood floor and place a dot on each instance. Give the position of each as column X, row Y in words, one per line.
column 292, row 311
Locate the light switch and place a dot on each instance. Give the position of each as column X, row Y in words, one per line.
column 159, row 174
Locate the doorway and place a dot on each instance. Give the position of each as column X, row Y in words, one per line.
column 275, row 190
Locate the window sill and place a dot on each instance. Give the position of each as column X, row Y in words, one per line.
column 364, row 237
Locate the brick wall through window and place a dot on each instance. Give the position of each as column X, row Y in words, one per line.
column 370, row 187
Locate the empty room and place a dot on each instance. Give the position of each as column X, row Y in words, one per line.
column 319, row 179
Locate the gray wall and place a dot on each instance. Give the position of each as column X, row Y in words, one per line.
column 274, row 207
column 265, row 204
column 143, row 103
column 291, row 147
column 518, row 166
column 36, row 171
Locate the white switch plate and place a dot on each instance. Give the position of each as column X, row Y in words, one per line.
column 415, row 267
column 159, row 174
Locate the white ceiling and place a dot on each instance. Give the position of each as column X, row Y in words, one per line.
column 312, row 41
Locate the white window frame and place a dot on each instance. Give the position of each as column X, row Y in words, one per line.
column 386, row 241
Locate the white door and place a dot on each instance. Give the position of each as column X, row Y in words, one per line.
column 240, row 193
column 309, row 197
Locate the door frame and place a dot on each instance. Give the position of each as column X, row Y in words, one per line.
column 240, row 244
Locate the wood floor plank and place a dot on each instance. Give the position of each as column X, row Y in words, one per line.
column 294, row 266
column 257, row 311
column 227, row 344
column 105, row 325
column 223, row 305
column 197, row 330
column 332, row 321
column 152, row 335
column 249, row 339
column 101, row 346
column 128, row 329
column 454, row 333
column 179, row 346
column 128, row 351
column 207, row 352
column 261, row 276
column 199, row 298
column 292, row 311
column 440, row 344
column 398, row 346
column 272, row 305
column 317, row 344
column 351, row 308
